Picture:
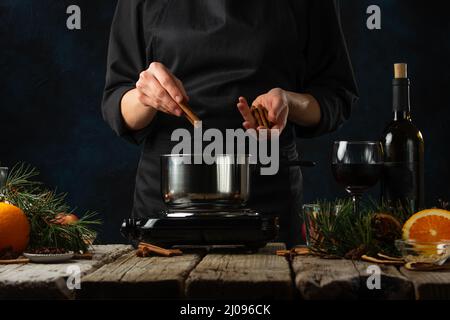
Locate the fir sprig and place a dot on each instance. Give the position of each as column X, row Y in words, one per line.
column 344, row 234
column 43, row 208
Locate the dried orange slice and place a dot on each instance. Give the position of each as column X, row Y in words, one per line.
column 428, row 226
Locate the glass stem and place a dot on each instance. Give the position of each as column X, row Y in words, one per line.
column 356, row 199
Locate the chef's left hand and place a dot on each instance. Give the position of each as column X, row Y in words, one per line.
column 275, row 102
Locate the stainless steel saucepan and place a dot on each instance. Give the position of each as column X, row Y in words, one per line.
column 223, row 184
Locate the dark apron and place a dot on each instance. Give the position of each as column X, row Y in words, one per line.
column 223, row 49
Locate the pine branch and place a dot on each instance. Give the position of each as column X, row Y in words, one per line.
column 346, row 235
column 43, row 207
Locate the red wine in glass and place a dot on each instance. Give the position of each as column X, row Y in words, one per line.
column 357, row 166
column 357, row 178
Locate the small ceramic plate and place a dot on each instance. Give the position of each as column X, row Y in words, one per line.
column 49, row 258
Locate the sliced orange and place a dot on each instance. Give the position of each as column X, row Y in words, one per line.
column 428, row 226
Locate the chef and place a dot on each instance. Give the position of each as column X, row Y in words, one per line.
column 222, row 56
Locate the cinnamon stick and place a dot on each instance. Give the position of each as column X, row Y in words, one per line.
column 83, row 256
column 257, row 116
column 417, row 266
column 176, row 252
column 385, row 257
column 140, row 253
column 266, row 114
column 385, row 262
column 283, row 253
column 189, row 114
column 189, row 119
column 302, row 251
column 146, row 249
column 263, row 117
column 293, row 252
column 14, row 261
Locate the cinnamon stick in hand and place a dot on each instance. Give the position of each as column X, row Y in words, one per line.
column 189, row 114
column 263, row 117
column 257, row 116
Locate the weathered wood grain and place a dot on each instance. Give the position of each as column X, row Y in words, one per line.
column 227, row 273
column 217, row 273
column 320, row 279
column 429, row 285
column 48, row 281
column 131, row 277
column 393, row 284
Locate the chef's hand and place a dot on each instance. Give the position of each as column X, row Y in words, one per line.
column 158, row 88
column 275, row 102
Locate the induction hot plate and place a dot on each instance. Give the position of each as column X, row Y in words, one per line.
column 187, row 227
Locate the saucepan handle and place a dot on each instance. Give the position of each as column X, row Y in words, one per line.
column 299, row 163
column 292, row 163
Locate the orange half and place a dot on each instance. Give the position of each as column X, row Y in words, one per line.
column 428, row 226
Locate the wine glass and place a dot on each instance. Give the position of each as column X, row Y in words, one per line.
column 3, row 176
column 357, row 165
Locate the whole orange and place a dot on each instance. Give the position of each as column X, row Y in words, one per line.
column 14, row 229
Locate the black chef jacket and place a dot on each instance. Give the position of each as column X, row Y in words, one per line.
column 220, row 50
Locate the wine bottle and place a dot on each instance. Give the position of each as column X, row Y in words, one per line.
column 403, row 171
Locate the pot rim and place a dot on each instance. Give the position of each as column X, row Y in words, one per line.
column 201, row 155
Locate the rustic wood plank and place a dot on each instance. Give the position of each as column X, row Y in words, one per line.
column 429, row 285
column 394, row 285
column 237, row 274
column 131, row 277
column 48, row 281
column 321, row 279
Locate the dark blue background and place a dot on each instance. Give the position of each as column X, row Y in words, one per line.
column 51, row 84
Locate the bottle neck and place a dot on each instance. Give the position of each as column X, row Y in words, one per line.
column 401, row 99
column 402, row 115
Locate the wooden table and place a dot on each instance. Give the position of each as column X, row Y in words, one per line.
column 216, row 273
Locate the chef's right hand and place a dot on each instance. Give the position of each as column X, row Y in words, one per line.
column 158, row 88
